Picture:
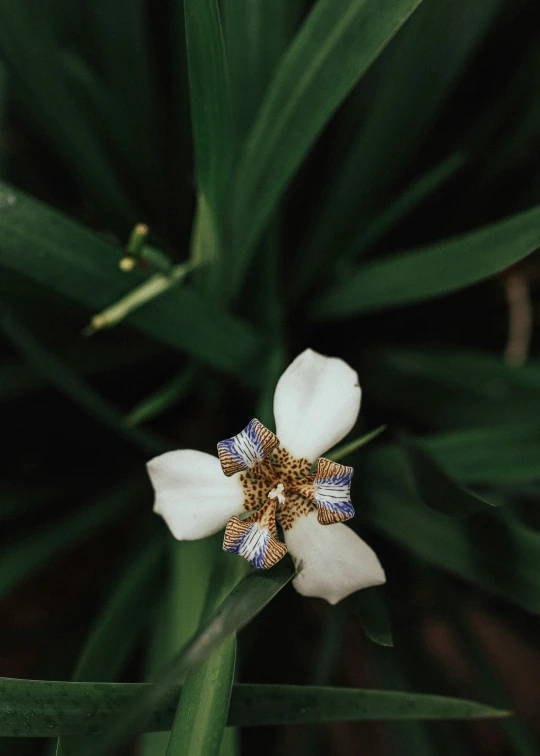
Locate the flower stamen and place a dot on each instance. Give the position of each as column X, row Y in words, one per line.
column 277, row 493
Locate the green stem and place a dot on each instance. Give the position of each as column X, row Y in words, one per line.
column 141, row 295
column 203, row 708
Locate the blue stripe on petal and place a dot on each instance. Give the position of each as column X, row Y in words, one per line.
column 332, row 492
column 253, row 542
column 243, row 451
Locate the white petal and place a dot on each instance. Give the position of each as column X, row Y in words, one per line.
column 193, row 495
column 333, row 561
column 316, row 404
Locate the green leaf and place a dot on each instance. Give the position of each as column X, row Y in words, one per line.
column 118, row 627
column 120, row 40
column 56, row 252
column 190, row 571
column 39, row 708
column 209, row 99
column 29, row 51
column 335, row 46
column 346, row 449
column 433, row 270
column 163, row 398
column 437, row 489
column 389, row 117
column 204, row 705
column 246, row 600
column 452, row 388
column 101, row 357
column 412, row 196
column 256, row 34
column 494, row 552
column 476, row 456
column 74, row 387
column 22, row 559
column 506, row 454
column 370, row 606
column 123, row 617
column 202, row 710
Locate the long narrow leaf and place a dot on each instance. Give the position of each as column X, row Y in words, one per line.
column 22, row 559
column 56, row 252
column 73, row 386
column 239, row 607
column 209, row 99
column 470, row 549
column 335, row 46
column 117, row 629
column 36, row 708
column 436, row 488
column 436, row 269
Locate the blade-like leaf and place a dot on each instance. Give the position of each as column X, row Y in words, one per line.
column 202, row 710
column 18, row 378
column 370, row 606
column 452, row 388
column 53, row 251
column 39, row 708
column 246, row 600
column 118, row 627
column 209, row 99
column 506, row 454
column 346, row 449
column 74, row 387
column 436, row 488
column 204, row 705
column 123, row 617
column 477, row 456
column 496, row 553
column 255, row 36
column 390, row 116
column 22, row 559
column 163, row 398
column 29, row 51
column 433, row 270
column 334, row 47
column 122, row 51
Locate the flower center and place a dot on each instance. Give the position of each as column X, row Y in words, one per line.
column 277, row 493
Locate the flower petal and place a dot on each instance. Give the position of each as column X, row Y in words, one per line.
column 332, row 491
column 253, row 542
column 333, row 561
column 243, row 451
column 316, row 404
column 192, row 495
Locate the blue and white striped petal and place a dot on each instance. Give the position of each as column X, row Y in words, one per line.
column 245, row 450
column 332, row 492
column 254, row 542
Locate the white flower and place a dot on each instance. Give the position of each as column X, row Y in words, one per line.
column 316, row 404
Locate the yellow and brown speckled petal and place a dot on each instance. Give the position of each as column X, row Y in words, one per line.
column 294, row 507
column 247, row 449
column 289, row 469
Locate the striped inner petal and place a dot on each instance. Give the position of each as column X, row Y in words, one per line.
column 247, row 448
column 254, row 542
column 332, row 492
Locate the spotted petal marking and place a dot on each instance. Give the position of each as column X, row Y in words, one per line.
column 243, row 451
column 332, row 492
column 254, row 542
